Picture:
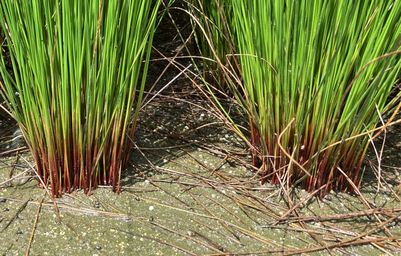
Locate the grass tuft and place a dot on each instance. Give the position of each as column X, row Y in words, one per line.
column 77, row 84
column 312, row 78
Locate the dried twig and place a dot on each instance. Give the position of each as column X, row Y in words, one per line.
column 15, row 215
column 157, row 240
column 34, row 224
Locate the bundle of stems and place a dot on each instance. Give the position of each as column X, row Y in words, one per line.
column 77, row 84
column 313, row 78
column 213, row 37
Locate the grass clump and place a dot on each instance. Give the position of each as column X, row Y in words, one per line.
column 77, row 84
column 313, row 77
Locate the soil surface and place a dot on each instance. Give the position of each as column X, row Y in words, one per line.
column 189, row 190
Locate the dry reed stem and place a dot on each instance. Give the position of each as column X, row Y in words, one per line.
column 175, row 208
column 373, row 166
column 154, row 184
column 171, row 60
column 298, row 204
column 222, row 206
column 219, row 232
column 77, row 199
column 187, row 237
column 209, row 241
column 249, row 196
column 237, row 200
column 22, row 207
column 20, row 150
column 366, row 203
column 71, row 228
column 68, row 207
column 156, row 240
column 215, row 217
column 353, row 240
column 15, row 177
column 296, row 251
column 346, row 215
column 255, row 236
column 34, row 224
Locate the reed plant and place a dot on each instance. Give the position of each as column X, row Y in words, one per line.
column 213, row 37
column 77, row 84
column 313, row 78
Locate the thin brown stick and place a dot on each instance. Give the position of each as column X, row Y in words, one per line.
column 154, row 184
column 15, row 215
column 221, row 205
column 178, row 209
column 34, row 224
column 157, row 240
column 286, row 153
column 92, row 212
column 217, row 231
column 367, row 204
column 69, row 226
column 236, row 199
column 209, row 241
column 298, row 204
column 255, row 236
column 13, row 150
column 211, row 213
column 353, row 137
column 299, row 251
column 353, row 240
column 15, row 177
column 45, row 187
column 187, row 237
column 346, row 215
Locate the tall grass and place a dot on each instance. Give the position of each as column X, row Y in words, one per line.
column 78, row 84
column 313, row 76
column 213, row 37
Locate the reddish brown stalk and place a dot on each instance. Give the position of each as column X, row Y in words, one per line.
column 347, row 155
column 38, row 164
column 67, row 183
column 257, row 146
column 75, row 161
column 54, row 178
column 112, row 175
column 328, row 184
